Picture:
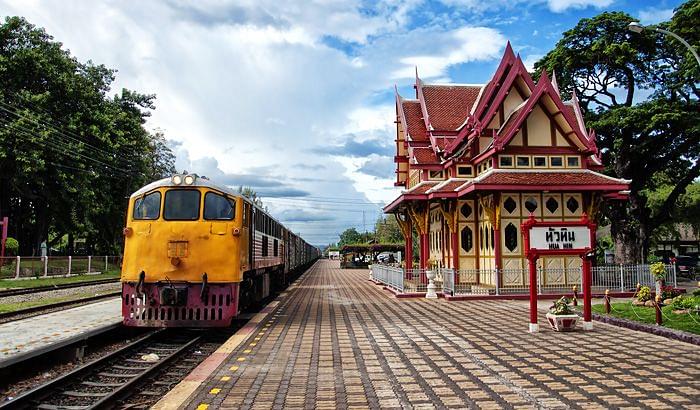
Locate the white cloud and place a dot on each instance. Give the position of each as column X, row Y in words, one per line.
column 556, row 6
column 530, row 60
column 654, row 15
column 560, row 6
column 248, row 85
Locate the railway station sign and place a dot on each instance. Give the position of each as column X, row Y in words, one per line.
column 566, row 238
column 560, row 237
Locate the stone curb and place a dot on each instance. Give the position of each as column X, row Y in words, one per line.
column 653, row 329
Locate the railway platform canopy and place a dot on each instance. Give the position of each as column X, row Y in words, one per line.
column 336, row 340
column 475, row 161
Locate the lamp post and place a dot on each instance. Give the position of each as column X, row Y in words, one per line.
column 638, row 28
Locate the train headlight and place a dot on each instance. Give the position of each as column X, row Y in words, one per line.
column 176, row 179
column 189, row 179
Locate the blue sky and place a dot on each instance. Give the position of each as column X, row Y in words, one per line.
column 295, row 98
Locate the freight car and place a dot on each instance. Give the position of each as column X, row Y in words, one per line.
column 196, row 254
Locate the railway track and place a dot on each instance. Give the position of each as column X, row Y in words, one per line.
column 8, row 316
column 138, row 370
column 26, row 291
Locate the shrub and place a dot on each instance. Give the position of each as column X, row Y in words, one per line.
column 644, row 294
column 696, row 292
column 11, row 246
column 685, row 302
column 669, row 292
column 561, row 307
column 658, row 270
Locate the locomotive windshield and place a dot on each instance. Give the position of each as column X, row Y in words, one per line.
column 181, row 205
column 218, row 207
column 148, row 206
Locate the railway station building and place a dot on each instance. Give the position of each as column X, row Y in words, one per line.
column 475, row 160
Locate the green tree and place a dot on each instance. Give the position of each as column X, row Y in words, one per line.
column 387, row 230
column 69, row 154
column 250, row 193
column 350, row 236
column 610, row 69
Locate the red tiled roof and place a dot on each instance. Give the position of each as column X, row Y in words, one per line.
column 421, row 188
column 425, row 155
column 448, row 105
column 414, row 120
column 450, row 186
column 442, row 142
column 502, row 177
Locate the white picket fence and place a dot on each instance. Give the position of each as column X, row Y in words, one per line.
column 616, row 278
column 19, row 267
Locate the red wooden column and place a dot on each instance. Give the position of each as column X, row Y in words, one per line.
column 586, row 283
column 532, row 264
column 3, row 237
column 409, row 248
column 424, row 254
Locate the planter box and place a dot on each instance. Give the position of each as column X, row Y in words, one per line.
column 562, row 323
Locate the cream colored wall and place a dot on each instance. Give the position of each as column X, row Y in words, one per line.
column 511, row 101
column 513, row 261
column 538, row 129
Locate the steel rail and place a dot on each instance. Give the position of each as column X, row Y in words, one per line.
column 34, row 309
column 29, row 399
column 37, row 289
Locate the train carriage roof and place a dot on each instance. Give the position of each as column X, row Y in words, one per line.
column 205, row 183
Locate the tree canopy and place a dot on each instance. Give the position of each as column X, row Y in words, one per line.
column 70, row 154
column 640, row 93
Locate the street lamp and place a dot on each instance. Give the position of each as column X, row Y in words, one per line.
column 638, row 28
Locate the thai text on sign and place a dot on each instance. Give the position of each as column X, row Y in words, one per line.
column 560, row 237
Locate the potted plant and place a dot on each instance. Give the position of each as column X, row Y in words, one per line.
column 561, row 316
column 658, row 271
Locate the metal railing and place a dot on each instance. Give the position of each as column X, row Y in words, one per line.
column 18, row 267
column 617, row 278
column 390, row 276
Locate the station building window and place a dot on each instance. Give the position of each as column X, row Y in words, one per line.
column 148, row 206
column 465, row 170
column 436, row 175
column 539, row 162
column 556, row 162
column 572, row 162
column 505, row 161
column 522, row 161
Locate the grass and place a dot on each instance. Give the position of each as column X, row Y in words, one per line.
column 32, row 283
column 648, row 315
column 11, row 307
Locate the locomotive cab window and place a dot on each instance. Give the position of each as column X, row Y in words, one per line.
column 218, row 207
column 148, row 206
column 181, row 205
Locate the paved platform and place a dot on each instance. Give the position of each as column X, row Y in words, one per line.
column 28, row 336
column 338, row 341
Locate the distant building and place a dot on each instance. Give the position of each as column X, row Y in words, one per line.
column 685, row 241
column 476, row 160
column 335, row 255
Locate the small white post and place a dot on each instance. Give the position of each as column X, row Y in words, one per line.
column 46, row 265
column 70, row 264
column 105, row 265
column 89, row 268
column 17, row 269
column 675, row 282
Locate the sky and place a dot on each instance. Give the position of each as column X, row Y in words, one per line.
column 295, row 98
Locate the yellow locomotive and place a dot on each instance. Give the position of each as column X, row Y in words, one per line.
column 195, row 254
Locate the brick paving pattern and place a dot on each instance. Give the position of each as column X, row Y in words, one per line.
column 339, row 341
column 23, row 336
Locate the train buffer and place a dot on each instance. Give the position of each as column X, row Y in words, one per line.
column 336, row 340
